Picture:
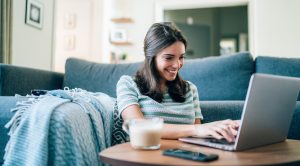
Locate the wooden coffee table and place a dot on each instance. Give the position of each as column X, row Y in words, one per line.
column 287, row 152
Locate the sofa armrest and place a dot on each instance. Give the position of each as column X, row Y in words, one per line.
column 6, row 104
column 21, row 80
column 294, row 131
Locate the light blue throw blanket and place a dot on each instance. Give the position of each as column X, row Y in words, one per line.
column 63, row 127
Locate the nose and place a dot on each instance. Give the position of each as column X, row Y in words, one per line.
column 178, row 64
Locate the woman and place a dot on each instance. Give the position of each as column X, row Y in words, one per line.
column 157, row 90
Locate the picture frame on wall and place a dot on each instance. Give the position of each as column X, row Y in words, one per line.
column 34, row 13
column 118, row 35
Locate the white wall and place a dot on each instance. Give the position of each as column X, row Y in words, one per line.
column 85, row 38
column 32, row 47
column 73, row 31
column 277, row 28
column 44, row 48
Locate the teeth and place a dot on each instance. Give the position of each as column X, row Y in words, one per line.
column 172, row 71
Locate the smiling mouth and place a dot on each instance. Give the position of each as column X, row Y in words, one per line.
column 172, row 71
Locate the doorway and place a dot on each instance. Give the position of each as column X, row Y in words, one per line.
column 212, row 31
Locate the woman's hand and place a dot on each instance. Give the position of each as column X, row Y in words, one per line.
column 219, row 129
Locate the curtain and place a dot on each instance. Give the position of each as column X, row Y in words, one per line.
column 5, row 31
column 1, row 56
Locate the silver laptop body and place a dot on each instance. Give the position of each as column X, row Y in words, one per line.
column 267, row 113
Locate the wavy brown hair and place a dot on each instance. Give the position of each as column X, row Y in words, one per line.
column 159, row 37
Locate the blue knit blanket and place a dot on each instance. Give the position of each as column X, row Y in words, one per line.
column 42, row 132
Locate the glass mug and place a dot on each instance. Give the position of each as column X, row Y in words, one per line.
column 144, row 133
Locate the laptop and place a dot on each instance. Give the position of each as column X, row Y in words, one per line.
column 267, row 114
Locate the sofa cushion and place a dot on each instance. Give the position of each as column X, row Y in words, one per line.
column 221, row 110
column 278, row 66
column 220, row 78
column 96, row 77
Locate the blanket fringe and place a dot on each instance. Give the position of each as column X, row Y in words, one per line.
column 20, row 109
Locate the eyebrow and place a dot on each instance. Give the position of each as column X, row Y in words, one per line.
column 174, row 55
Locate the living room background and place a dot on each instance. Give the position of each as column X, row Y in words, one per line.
column 212, row 31
column 270, row 32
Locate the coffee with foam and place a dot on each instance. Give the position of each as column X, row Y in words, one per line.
column 144, row 133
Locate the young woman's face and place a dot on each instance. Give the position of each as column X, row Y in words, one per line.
column 170, row 60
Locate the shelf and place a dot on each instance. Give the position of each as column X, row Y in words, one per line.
column 121, row 43
column 120, row 33
column 122, row 20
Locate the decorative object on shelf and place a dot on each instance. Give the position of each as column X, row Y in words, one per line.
column 123, row 56
column 119, row 31
column 118, row 36
column 34, row 13
column 113, row 57
column 122, row 20
column 118, row 57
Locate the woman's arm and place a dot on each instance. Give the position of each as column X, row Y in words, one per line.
column 219, row 129
column 170, row 131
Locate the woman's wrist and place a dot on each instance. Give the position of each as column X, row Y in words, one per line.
column 195, row 130
column 173, row 131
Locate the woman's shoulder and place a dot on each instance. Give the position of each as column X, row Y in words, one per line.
column 127, row 83
column 191, row 85
column 126, row 78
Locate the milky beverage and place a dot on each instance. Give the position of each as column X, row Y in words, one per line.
column 145, row 136
column 145, row 133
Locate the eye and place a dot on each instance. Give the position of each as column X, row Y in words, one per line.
column 182, row 57
column 168, row 58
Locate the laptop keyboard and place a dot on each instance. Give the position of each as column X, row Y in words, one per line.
column 219, row 141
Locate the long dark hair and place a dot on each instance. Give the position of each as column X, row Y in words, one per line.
column 159, row 37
